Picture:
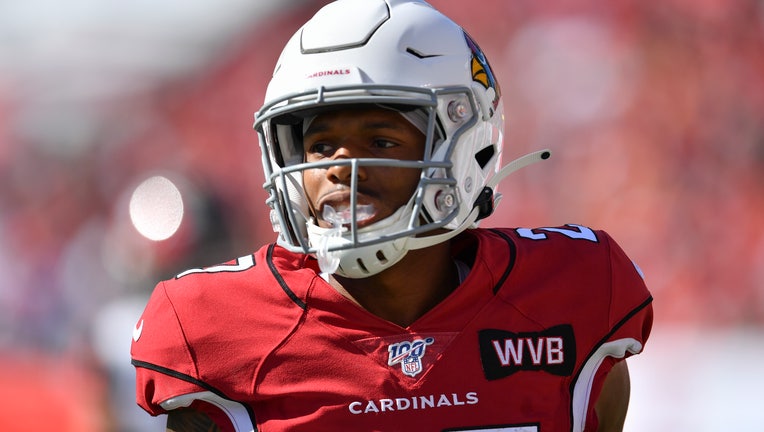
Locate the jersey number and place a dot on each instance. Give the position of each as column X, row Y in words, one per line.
column 241, row 264
column 574, row 232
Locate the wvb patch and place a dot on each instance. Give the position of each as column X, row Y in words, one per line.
column 409, row 355
column 504, row 353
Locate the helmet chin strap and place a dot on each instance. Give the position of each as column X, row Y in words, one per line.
column 521, row 162
column 331, row 262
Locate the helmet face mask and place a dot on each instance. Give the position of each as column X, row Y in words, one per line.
column 451, row 93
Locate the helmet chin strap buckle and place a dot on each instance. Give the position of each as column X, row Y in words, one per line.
column 485, row 203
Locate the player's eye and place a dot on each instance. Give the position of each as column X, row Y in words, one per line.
column 320, row 149
column 384, row 143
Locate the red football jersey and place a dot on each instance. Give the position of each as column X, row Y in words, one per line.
column 522, row 345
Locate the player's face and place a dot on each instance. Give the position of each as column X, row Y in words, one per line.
column 361, row 133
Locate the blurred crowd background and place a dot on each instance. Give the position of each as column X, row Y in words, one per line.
column 654, row 111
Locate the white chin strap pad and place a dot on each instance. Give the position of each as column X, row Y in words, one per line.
column 361, row 261
column 365, row 261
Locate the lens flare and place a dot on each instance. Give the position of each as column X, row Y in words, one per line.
column 156, row 208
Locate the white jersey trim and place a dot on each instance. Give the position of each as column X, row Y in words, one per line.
column 235, row 411
column 582, row 390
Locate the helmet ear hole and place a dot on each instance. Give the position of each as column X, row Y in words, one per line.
column 484, row 156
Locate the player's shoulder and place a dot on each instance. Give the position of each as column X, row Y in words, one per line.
column 231, row 273
column 562, row 263
column 570, row 242
column 568, row 246
column 563, row 236
column 256, row 272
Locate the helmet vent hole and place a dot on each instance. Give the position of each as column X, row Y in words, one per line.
column 360, row 264
column 484, row 156
column 381, row 257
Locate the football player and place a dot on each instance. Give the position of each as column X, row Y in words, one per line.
column 382, row 305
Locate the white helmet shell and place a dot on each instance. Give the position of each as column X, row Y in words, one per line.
column 398, row 54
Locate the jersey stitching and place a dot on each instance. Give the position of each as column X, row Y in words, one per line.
column 510, row 266
column 182, row 330
column 257, row 376
column 512, row 257
column 188, row 378
column 602, row 341
column 611, row 274
column 179, row 375
column 280, row 279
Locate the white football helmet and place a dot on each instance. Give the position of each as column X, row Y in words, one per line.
column 397, row 54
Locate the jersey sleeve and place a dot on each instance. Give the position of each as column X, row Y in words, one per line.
column 163, row 363
column 630, row 318
column 631, row 314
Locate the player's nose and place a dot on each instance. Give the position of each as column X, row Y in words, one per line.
column 343, row 172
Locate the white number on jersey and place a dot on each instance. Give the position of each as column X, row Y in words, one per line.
column 241, row 264
column 574, row 232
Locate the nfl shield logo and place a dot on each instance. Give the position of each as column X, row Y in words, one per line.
column 409, row 355
column 411, row 365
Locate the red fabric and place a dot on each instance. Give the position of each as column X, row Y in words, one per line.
column 299, row 354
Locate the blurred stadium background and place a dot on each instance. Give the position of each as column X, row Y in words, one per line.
column 115, row 113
